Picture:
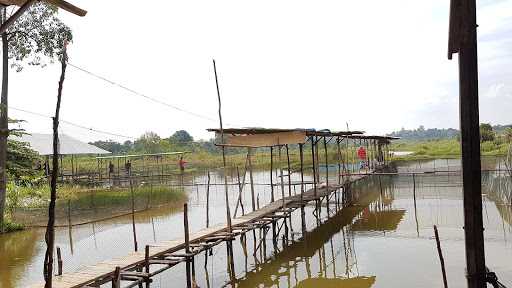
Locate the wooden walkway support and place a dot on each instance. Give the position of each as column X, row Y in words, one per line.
column 138, row 267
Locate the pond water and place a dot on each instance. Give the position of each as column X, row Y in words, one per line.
column 384, row 240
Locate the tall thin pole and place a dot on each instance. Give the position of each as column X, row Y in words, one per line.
column 4, row 125
column 470, row 141
column 226, row 195
column 249, row 158
column 50, row 229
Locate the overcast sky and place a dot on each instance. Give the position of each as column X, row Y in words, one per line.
column 378, row 65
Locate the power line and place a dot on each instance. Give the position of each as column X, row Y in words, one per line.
column 141, row 94
column 73, row 124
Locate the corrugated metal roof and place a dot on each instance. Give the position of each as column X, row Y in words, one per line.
column 43, row 144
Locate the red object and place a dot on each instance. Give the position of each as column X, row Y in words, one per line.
column 361, row 153
column 182, row 163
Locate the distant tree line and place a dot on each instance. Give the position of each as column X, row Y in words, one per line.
column 151, row 142
column 425, row 134
column 488, row 132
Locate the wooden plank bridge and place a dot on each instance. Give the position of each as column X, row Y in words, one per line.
column 137, row 268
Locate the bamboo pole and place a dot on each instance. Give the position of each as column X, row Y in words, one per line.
column 441, row 258
column 133, row 213
column 226, row 194
column 59, row 262
column 50, row 228
column 116, row 278
column 302, row 213
column 187, row 244
column 249, row 155
column 208, row 201
column 146, row 265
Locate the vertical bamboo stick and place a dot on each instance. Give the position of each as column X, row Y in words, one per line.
column 228, row 213
column 187, row 244
column 302, row 214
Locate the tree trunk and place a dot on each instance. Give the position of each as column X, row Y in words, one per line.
column 50, row 229
column 3, row 124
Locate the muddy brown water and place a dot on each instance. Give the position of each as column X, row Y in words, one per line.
column 384, row 240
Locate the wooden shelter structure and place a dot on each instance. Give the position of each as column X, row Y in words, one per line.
column 68, row 147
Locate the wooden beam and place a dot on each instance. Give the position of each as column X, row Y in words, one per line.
column 16, row 15
column 463, row 39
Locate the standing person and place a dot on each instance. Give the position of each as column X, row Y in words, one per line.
column 110, row 169
column 361, row 154
column 182, row 163
column 128, row 167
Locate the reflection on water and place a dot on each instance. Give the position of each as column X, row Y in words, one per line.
column 383, row 240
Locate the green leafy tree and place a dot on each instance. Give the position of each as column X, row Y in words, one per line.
column 507, row 133
column 38, row 35
column 181, row 137
column 486, row 132
column 149, row 142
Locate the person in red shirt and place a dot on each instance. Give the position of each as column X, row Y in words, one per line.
column 182, row 163
column 361, row 153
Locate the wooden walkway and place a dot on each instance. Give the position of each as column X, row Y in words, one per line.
column 166, row 254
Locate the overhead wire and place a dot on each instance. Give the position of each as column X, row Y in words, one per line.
column 135, row 92
column 73, row 124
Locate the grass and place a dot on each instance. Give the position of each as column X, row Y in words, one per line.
column 10, row 226
column 445, row 148
column 80, row 197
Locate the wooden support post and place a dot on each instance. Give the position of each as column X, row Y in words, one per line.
column 226, row 194
column 59, row 262
column 313, row 161
column 187, row 244
column 240, row 188
column 116, row 278
column 208, row 200
column 272, row 198
column 72, row 167
column 441, row 258
column 289, row 185
column 302, row 213
column 133, row 213
column 326, row 173
column 249, row 158
column 271, row 174
column 281, row 176
column 146, row 265
column 463, row 39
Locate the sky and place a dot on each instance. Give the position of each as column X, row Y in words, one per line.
column 373, row 65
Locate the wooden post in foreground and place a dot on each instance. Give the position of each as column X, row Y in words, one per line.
column 463, row 40
column 59, row 262
column 187, row 244
column 441, row 258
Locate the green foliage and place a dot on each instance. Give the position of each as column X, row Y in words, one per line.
column 21, row 160
column 425, row 134
column 181, row 137
column 10, row 226
column 149, row 142
column 486, row 132
column 112, row 146
column 38, row 32
column 507, row 133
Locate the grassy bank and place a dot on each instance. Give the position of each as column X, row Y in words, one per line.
column 445, row 148
column 29, row 205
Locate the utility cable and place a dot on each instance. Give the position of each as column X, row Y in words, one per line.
column 73, row 124
column 132, row 91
